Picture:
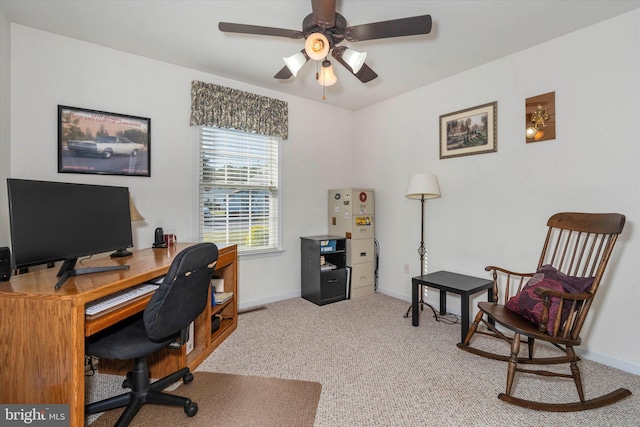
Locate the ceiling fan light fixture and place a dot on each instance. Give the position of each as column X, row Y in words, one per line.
column 295, row 62
column 317, row 46
column 354, row 59
column 326, row 77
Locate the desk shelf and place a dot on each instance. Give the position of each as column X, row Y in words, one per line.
column 225, row 311
column 97, row 322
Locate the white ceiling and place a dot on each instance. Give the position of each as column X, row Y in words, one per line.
column 465, row 34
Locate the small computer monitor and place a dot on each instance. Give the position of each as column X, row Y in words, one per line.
column 56, row 221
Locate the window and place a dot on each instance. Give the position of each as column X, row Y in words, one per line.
column 239, row 189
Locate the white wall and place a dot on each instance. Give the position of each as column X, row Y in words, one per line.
column 494, row 206
column 48, row 70
column 5, row 117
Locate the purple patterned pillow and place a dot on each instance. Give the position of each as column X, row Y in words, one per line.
column 571, row 284
column 529, row 305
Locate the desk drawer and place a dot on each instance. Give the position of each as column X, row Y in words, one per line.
column 333, row 286
column 225, row 259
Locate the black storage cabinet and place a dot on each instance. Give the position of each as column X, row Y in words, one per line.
column 324, row 285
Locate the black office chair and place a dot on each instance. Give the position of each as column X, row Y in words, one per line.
column 181, row 297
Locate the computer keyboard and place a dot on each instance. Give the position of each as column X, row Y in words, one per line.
column 106, row 302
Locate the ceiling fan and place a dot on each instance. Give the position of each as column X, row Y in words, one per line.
column 323, row 30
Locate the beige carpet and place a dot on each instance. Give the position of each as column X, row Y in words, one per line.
column 377, row 370
column 227, row 400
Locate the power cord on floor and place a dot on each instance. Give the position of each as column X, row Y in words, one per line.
column 376, row 263
column 448, row 318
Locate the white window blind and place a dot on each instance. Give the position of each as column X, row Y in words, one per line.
column 238, row 189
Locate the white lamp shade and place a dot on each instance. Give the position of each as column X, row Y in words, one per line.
column 317, row 46
column 423, row 185
column 327, row 76
column 354, row 59
column 295, row 62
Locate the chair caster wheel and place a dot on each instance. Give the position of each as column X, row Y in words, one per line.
column 127, row 381
column 187, row 378
column 191, row 408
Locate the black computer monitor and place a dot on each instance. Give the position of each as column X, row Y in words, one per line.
column 56, row 221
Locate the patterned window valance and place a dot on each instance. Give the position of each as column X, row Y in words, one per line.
column 213, row 105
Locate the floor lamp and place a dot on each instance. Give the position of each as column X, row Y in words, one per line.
column 422, row 186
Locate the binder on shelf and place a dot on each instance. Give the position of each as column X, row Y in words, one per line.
column 348, row 290
column 327, row 246
column 217, row 286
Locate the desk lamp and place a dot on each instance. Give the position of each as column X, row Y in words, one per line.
column 422, row 186
column 135, row 216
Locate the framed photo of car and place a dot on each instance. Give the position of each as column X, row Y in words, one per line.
column 98, row 142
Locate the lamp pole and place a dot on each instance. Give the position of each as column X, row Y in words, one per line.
column 422, row 187
column 422, row 251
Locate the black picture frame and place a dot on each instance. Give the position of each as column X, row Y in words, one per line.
column 103, row 143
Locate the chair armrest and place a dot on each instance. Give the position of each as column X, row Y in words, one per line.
column 575, row 300
column 504, row 270
column 512, row 282
column 546, row 292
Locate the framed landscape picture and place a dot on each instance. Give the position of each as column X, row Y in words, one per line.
column 470, row 131
column 97, row 142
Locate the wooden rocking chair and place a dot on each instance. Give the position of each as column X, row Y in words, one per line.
column 552, row 304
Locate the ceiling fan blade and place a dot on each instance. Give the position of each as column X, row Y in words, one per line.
column 386, row 29
column 284, row 73
column 324, row 12
column 365, row 74
column 229, row 27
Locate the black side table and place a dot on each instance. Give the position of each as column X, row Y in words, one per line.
column 445, row 281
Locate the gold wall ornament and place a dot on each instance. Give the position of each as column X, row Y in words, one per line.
column 540, row 117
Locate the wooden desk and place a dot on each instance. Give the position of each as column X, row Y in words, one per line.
column 42, row 330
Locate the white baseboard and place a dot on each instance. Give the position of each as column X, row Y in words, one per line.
column 623, row 365
column 254, row 303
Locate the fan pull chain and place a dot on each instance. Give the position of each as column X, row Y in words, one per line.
column 324, row 89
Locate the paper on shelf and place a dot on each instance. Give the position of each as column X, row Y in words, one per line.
column 222, row 297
